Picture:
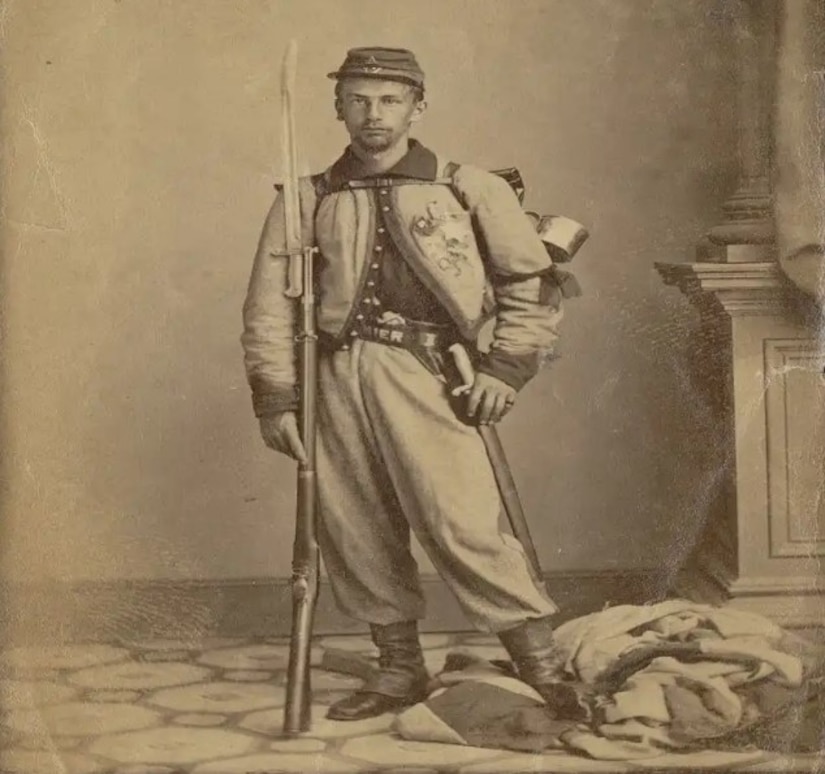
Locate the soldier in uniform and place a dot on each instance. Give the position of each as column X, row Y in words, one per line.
column 416, row 253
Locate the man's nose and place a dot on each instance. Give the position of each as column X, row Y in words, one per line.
column 373, row 109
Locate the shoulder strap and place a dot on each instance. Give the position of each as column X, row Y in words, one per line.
column 320, row 183
column 450, row 170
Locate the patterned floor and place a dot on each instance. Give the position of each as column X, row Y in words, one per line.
column 215, row 707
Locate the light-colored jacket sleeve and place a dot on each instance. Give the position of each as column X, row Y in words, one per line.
column 522, row 276
column 270, row 317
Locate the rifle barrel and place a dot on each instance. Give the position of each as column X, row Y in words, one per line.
column 305, row 564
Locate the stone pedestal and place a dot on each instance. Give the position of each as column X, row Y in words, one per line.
column 765, row 547
column 762, row 303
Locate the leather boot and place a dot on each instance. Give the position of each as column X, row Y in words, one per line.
column 540, row 664
column 401, row 679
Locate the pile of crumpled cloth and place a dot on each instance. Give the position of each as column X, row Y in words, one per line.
column 668, row 677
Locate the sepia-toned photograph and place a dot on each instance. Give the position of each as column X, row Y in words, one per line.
column 432, row 387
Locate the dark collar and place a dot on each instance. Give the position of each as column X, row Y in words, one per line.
column 419, row 163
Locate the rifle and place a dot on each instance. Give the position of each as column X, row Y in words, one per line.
column 305, row 554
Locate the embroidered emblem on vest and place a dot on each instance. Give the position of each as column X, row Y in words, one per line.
column 445, row 235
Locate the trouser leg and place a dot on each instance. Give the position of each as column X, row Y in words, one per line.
column 442, row 477
column 364, row 537
column 365, row 542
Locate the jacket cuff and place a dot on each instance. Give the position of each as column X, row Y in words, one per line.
column 267, row 401
column 512, row 369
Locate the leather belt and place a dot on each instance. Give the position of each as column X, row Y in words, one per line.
column 411, row 335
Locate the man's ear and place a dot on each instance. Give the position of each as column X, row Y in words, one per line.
column 339, row 113
column 418, row 111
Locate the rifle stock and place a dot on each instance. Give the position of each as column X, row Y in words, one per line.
column 305, row 562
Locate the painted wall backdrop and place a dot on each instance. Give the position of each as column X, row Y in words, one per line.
column 140, row 145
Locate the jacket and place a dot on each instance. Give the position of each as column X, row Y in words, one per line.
column 465, row 237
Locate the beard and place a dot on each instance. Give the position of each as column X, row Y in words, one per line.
column 374, row 143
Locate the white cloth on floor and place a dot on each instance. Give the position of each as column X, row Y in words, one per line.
column 595, row 642
column 657, row 678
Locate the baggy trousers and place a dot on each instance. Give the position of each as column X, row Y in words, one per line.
column 391, row 457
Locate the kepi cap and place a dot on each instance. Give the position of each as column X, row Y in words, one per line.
column 387, row 64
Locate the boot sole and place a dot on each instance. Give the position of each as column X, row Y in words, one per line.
column 403, row 704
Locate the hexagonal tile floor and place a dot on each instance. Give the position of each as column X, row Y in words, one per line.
column 216, row 707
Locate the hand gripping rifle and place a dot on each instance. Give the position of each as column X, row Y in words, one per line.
column 305, row 555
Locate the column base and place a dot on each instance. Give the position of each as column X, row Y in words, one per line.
column 791, row 602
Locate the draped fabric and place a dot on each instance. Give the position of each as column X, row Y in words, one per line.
column 652, row 679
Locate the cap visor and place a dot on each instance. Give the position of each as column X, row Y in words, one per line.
column 385, row 76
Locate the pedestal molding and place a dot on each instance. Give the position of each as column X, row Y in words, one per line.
column 748, row 217
column 790, row 601
column 789, row 586
column 743, row 232
column 793, row 533
column 751, row 289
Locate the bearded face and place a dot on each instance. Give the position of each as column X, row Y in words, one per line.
column 378, row 114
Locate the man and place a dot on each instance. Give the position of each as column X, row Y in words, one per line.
column 415, row 254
